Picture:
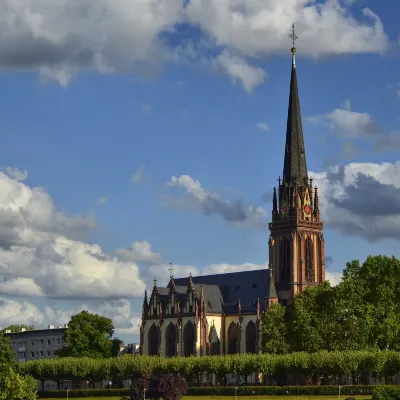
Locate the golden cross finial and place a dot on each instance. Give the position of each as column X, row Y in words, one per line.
column 293, row 35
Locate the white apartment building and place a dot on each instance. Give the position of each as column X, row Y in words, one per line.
column 33, row 345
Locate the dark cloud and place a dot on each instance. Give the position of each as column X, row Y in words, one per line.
column 231, row 211
column 368, row 197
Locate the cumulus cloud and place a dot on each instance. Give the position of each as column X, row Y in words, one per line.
column 238, row 69
column 102, row 200
column 362, row 199
column 140, row 174
column 124, row 318
column 196, row 198
column 61, row 39
column 347, row 124
column 334, row 278
column 14, row 312
column 352, row 125
column 43, row 252
column 261, row 27
column 263, row 126
column 140, row 252
column 16, row 173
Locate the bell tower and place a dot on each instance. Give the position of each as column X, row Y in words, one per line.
column 296, row 244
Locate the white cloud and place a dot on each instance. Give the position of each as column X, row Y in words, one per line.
column 198, row 199
column 43, row 251
column 226, row 268
column 238, row 69
column 361, row 199
column 125, row 320
column 102, row 200
column 140, row 252
column 346, row 123
column 140, row 174
column 333, row 277
column 16, row 173
column 15, row 312
column 61, row 39
column 263, row 126
column 146, row 108
column 261, row 27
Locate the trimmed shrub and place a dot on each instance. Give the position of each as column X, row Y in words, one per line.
column 172, row 387
column 386, row 393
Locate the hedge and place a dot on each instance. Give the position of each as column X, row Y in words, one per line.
column 230, row 391
column 322, row 364
column 61, row 394
column 386, row 393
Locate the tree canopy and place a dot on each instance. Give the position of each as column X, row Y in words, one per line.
column 89, row 335
column 18, row 328
column 361, row 313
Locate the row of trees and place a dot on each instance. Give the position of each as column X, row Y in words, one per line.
column 361, row 313
column 323, row 364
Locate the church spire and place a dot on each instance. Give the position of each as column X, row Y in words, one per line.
column 295, row 158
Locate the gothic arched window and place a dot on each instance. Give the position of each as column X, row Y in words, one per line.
column 170, row 340
column 214, row 342
column 233, row 339
column 251, row 338
column 153, row 340
column 309, row 260
column 189, row 340
column 284, row 259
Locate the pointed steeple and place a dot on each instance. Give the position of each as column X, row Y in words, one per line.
column 295, row 165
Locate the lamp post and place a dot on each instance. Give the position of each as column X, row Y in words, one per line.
column 339, row 390
column 235, row 392
column 144, row 394
column 67, row 393
column 110, row 383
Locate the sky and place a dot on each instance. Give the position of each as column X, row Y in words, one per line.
column 138, row 133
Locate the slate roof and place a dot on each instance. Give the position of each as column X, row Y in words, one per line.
column 223, row 291
column 295, row 156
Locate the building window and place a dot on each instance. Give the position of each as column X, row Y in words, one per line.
column 233, row 339
column 41, row 342
column 284, row 259
column 58, row 341
column 214, row 342
column 48, row 353
column 309, row 260
column 251, row 338
column 153, row 340
column 33, row 343
column 33, row 354
column 21, row 355
column 170, row 340
column 189, row 340
column 48, row 341
column 41, row 353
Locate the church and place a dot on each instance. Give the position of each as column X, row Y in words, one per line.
column 221, row 314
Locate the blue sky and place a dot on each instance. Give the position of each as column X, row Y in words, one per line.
column 104, row 104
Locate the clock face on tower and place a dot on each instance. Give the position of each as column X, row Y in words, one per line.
column 307, row 209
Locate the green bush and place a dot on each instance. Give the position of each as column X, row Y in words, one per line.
column 386, row 393
column 280, row 390
column 350, row 390
column 61, row 394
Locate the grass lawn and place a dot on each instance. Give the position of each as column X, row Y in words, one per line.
column 242, row 398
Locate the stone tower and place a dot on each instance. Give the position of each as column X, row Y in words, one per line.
column 296, row 244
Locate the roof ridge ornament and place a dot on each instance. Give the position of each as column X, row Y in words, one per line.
column 294, row 37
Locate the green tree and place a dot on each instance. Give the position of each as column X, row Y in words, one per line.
column 88, row 335
column 14, row 386
column 373, row 292
column 274, row 326
column 18, row 328
column 7, row 358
